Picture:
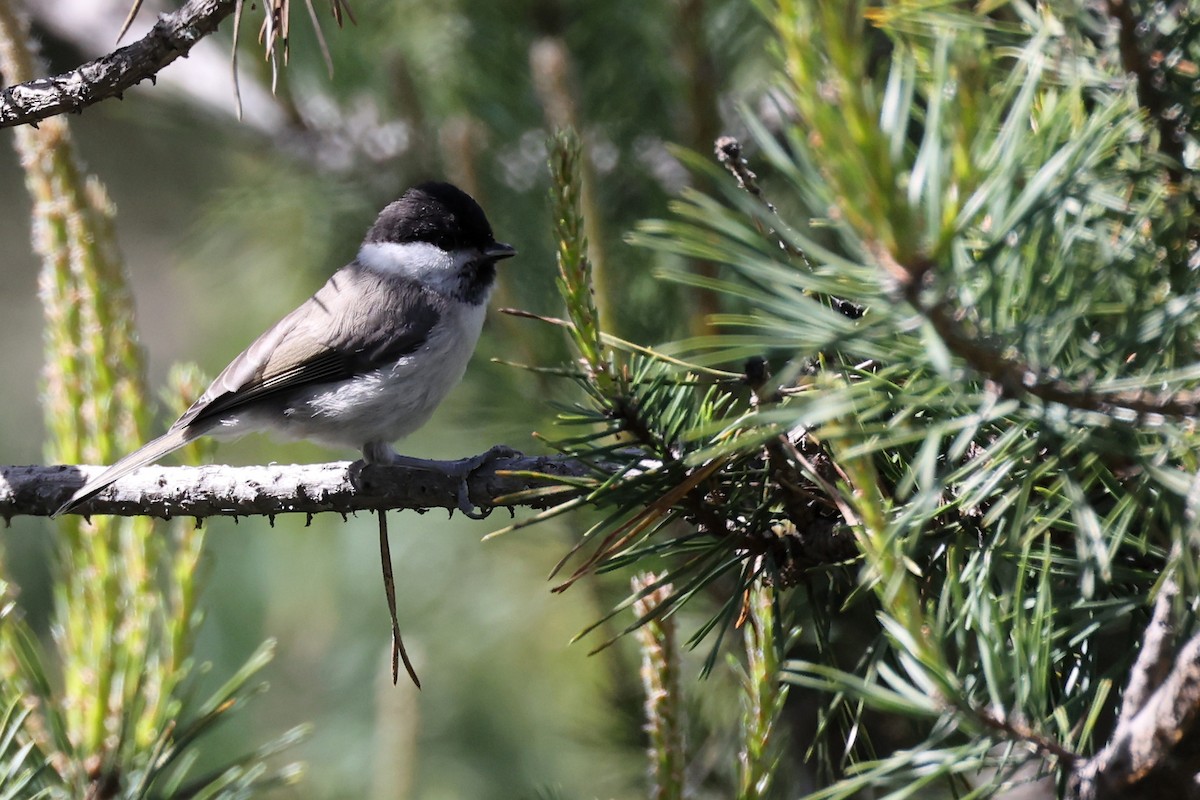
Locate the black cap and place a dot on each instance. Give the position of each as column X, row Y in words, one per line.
column 437, row 213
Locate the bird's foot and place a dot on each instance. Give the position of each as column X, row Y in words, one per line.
column 462, row 470
column 465, row 468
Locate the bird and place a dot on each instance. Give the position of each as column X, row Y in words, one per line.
column 365, row 360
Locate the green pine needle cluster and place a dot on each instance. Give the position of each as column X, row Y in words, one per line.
column 575, row 282
column 763, row 697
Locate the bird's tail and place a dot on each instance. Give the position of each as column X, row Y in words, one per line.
column 148, row 454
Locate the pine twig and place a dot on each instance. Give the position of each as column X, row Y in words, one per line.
column 1153, row 663
column 763, row 695
column 660, row 680
column 1152, row 750
column 1014, row 730
column 551, row 69
column 576, row 273
column 730, row 155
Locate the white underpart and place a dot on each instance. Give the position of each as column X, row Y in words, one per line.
column 421, row 261
column 392, row 402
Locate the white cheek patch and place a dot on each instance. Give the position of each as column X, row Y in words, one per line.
column 411, row 259
column 420, row 261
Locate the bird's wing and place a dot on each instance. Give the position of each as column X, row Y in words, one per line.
column 326, row 339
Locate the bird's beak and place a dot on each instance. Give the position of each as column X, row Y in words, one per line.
column 499, row 250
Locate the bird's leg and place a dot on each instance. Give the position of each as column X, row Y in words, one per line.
column 379, row 453
column 382, row 453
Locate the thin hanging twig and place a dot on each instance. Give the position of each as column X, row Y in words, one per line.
column 389, row 587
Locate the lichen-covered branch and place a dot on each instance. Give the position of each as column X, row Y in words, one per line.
column 1154, row 750
column 110, row 75
column 341, row 487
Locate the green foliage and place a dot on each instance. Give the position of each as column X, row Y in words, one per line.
column 763, row 698
column 929, row 454
column 969, row 283
column 419, row 91
column 104, row 714
column 575, row 275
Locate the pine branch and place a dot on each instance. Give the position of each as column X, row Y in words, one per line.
column 1017, row 731
column 1012, row 373
column 729, row 153
column 342, row 487
column 110, row 75
column 1153, row 663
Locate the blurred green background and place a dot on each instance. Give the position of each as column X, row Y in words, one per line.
column 227, row 225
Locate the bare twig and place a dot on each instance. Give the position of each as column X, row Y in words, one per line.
column 110, row 75
column 1017, row 731
column 729, row 154
column 341, row 487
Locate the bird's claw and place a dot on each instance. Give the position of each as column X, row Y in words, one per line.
column 468, row 467
column 467, row 507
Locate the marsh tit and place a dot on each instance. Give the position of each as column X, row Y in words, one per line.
column 367, row 359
